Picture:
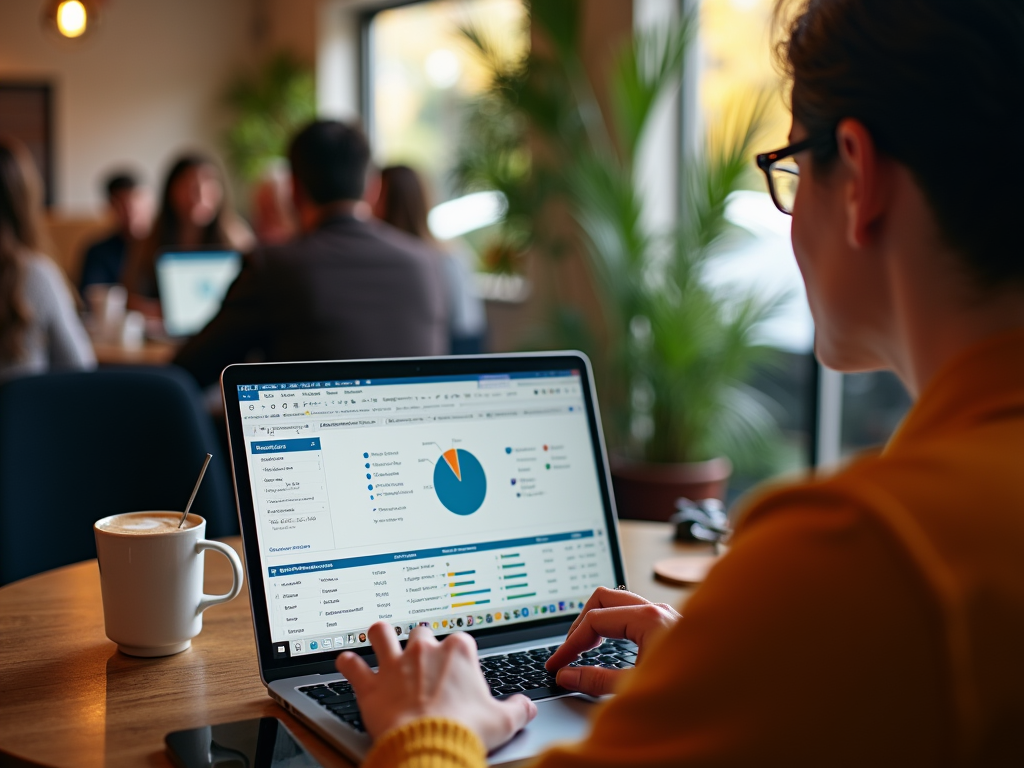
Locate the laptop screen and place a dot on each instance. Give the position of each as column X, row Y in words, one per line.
column 192, row 287
column 460, row 502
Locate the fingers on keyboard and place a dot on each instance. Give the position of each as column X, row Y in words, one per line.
column 506, row 675
column 524, row 672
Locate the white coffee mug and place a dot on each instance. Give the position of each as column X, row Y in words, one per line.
column 151, row 576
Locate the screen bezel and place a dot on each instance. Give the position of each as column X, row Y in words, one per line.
column 272, row 373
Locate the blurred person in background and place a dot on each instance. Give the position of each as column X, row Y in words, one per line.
column 348, row 287
column 131, row 210
column 402, row 203
column 194, row 214
column 39, row 329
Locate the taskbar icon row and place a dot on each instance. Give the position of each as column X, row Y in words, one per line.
column 303, row 646
column 359, row 638
column 478, row 620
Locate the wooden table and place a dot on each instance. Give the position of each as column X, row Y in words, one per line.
column 69, row 698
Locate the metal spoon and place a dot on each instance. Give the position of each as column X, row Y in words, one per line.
column 195, row 490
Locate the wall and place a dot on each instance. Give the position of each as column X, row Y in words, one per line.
column 146, row 85
column 289, row 24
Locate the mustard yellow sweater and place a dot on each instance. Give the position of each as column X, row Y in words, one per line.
column 872, row 618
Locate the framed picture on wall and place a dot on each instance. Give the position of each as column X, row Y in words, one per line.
column 26, row 113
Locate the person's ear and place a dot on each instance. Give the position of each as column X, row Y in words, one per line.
column 866, row 180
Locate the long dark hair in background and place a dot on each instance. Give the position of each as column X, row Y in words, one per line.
column 404, row 201
column 20, row 234
column 167, row 225
column 140, row 272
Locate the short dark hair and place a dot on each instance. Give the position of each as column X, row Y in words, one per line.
column 939, row 84
column 329, row 161
column 119, row 182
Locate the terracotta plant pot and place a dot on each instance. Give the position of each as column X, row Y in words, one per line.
column 649, row 491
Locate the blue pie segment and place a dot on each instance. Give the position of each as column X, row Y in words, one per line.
column 460, row 482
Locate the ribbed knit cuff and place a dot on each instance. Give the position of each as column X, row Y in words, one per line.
column 431, row 742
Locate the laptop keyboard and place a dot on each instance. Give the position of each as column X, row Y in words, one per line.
column 506, row 674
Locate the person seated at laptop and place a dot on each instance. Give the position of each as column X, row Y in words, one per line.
column 402, row 203
column 348, row 287
column 129, row 205
column 874, row 616
column 39, row 329
column 194, row 214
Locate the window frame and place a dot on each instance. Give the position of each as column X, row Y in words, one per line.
column 46, row 169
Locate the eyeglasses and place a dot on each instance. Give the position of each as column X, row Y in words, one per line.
column 783, row 173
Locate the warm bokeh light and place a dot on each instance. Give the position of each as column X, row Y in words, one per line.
column 425, row 71
column 737, row 66
column 72, row 18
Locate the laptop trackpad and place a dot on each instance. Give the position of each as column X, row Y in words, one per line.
column 558, row 720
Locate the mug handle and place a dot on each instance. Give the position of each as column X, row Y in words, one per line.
column 236, row 574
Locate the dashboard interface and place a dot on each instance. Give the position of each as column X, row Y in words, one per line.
column 455, row 502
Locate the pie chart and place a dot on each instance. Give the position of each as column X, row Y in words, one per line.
column 460, row 482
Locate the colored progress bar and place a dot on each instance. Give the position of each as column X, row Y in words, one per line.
column 514, row 576
column 461, row 583
column 509, row 557
column 520, row 597
column 514, row 565
column 473, row 602
column 518, row 586
column 461, row 573
column 472, row 592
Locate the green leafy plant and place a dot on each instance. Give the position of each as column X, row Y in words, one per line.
column 675, row 351
column 268, row 110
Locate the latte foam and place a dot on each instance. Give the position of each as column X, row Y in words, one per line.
column 147, row 523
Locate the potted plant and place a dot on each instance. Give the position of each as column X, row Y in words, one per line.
column 675, row 351
column 268, row 110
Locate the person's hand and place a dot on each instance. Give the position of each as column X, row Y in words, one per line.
column 430, row 679
column 612, row 613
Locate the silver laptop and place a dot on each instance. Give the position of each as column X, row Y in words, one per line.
column 464, row 494
column 192, row 287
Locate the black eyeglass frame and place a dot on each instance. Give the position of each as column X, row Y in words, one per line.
column 766, row 160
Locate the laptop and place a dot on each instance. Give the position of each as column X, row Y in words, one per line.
column 465, row 494
column 192, row 287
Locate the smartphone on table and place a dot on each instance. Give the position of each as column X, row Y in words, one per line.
column 264, row 742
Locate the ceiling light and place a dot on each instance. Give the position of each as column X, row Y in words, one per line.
column 72, row 18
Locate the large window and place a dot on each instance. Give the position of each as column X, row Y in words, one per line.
column 736, row 67
column 423, row 72
column 873, row 405
column 736, row 71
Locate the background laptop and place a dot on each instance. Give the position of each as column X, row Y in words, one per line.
column 467, row 494
column 192, row 287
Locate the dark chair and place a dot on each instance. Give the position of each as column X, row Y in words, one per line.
column 75, row 447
